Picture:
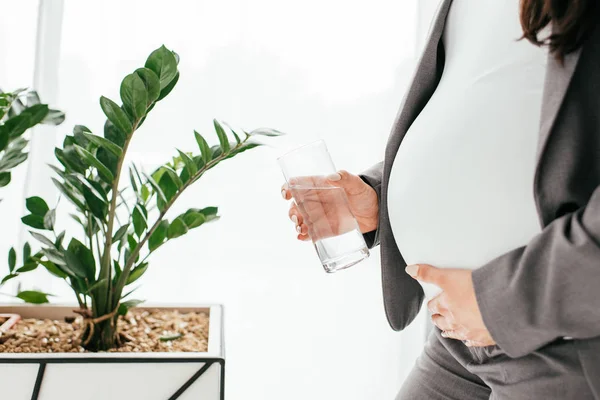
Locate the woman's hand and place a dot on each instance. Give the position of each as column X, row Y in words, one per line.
column 362, row 200
column 455, row 310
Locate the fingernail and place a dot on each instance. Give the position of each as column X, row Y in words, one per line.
column 299, row 229
column 412, row 270
column 284, row 194
column 295, row 219
column 334, row 177
column 292, row 181
column 443, row 334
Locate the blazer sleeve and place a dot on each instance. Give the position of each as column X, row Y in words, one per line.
column 549, row 288
column 373, row 177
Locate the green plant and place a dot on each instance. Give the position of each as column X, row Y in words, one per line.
column 19, row 111
column 119, row 233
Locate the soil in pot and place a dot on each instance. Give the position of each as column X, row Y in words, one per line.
column 141, row 331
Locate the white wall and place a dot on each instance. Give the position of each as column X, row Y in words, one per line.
column 327, row 69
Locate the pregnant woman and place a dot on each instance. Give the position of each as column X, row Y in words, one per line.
column 490, row 190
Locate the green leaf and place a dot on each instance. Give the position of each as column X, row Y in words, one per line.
column 50, row 219
column 37, row 206
column 168, row 338
column 158, row 236
column 174, row 177
column 64, row 189
column 223, row 140
column 3, row 138
column 55, row 256
column 80, row 260
column 12, row 259
column 204, row 148
column 33, row 297
column 34, row 221
column 8, row 278
column 114, row 134
column 120, row 233
column 190, row 165
column 157, row 189
column 139, row 220
column 4, row 178
column 126, row 305
column 59, row 239
column 36, row 114
column 69, row 159
column 210, row 213
column 145, row 193
column 80, row 182
column 134, row 96
column 30, row 266
column 177, row 228
column 134, row 184
column 165, row 92
column 54, row 269
column 246, row 146
column 132, row 243
column 16, row 126
column 105, row 143
column 193, row 219
column 266, row 132
column 116, row 116
column 43, row 239
column 26, row 252
column 94, row 162
column 96, row 205
column 168, row 188
column 136, row 273
column 151, row 82
column 80, row 130
column 163, row 63
column 54, row 117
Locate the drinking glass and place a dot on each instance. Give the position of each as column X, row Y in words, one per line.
column 324, row 207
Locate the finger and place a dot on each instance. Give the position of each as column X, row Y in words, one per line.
column 352, row 184
column 453, row 334
column 442, row 322
column 427, row 273
column 304, row 238
column 437, row 305
column 294, row 215
column 285, row 192
column 302, row 229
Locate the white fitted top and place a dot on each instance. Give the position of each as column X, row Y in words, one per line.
column 461, row 186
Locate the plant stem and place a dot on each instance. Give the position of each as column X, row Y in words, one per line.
column 105, row 270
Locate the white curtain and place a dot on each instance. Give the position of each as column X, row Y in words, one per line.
column 328, row 69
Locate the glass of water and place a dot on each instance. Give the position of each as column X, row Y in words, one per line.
column 324, row 207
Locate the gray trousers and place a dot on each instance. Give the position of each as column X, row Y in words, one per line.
column 449, row 370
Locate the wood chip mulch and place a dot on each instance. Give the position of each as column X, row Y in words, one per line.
column 141, row 331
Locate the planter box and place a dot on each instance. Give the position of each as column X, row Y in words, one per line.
column 114, row 376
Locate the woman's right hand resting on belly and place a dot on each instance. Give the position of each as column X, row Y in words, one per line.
column 362, row 199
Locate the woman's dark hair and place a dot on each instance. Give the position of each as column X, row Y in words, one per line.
column 572, row 22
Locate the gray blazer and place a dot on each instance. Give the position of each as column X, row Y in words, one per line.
column 549, row 288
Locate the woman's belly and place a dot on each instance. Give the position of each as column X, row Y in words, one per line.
column 461, row 186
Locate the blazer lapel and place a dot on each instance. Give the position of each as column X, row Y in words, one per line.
column 558, row 78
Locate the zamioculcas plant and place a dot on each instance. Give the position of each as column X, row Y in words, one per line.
column 121, row 227
column 19, row 111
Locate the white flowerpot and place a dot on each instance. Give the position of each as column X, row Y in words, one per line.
column 114, row 376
